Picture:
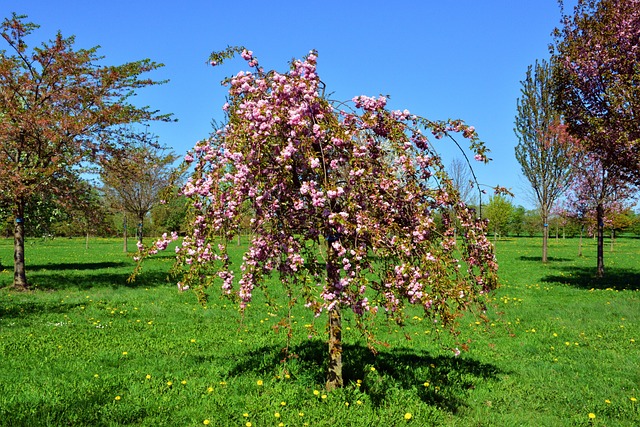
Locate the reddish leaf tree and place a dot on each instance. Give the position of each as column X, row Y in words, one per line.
column 596, row 193
column 58, row 108
column 597, row 51
column 344, row 205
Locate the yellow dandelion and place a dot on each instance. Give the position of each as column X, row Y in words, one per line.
column 183, row 382
column 607, row 401
column 408, row 416
column 169, row 383
column 316, row 392
column 301, row 414
column 210, row 390
column 248, row 424
column 592, row 415
column 280, row 424
column 324, row 396
column 633, row 399
column 245, row 415
column 426, row 384
column 373, row 369
column 359, row 402
column 259, row 382
column 148, row 376
column 346, row 403
column 124, row 353
column 193, row 340
column 277, row 415
column 118, row 398
column 206, row 422
column 283, row 403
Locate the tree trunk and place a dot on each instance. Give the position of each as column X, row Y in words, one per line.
column 600, row 219
column 334, row 371
column 613, row 238
column 580, row 244
column 19, row 272
column 545, row 237
column 141, row 220
column 124, row 232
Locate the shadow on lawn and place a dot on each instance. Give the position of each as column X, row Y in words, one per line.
column 539, row 259
column 585, row 278
column 86, row 276
column 449, row 377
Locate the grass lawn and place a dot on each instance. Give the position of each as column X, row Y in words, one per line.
column 87, row 349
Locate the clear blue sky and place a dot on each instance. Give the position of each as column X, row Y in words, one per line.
column 439, row 59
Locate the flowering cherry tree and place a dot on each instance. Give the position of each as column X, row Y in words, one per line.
column 344, row 202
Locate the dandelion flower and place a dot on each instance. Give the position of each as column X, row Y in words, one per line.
column 148, row 376
column 633, row 399
column 316, row 392
column 118, row 398
column 408, row 416
column 373, row 369
column 283, row 403
column 124, row 353
column 169, row 383
column 183, row 382
column 359, row 402
column 259, row 382
column 245, row 415
column 210, row 390
column 592, row 415
column 277, row 415
column 607, row 401
column 248, row 424
column 206, row 422
column 324, row 396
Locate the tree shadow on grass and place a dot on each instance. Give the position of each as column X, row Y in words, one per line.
column 97, row 279
column 585, row 278
column 81, row 279
column 539, row 259
column 449, row 377
column 77, row 266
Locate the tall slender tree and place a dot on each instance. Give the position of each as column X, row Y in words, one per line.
column 59, row 108
column 541, row 153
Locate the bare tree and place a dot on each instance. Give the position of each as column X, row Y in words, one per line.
column 135, row 178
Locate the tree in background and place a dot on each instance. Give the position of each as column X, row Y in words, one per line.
column 499, row 212
column 597, row 52
column 343, row 206
column 136, row 177
column 597, row 192
column 540, row 152
column 463, row 180
column 58, row 109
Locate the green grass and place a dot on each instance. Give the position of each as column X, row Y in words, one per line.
column 86, row 348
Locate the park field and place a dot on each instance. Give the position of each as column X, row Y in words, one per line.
column 86, row 348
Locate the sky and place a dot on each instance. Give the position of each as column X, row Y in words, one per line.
column 439, row 59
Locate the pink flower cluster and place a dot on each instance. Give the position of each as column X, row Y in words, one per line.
column 362, row 189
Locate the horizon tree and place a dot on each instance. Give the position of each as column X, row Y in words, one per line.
column 541, row 153
column 344, row 200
